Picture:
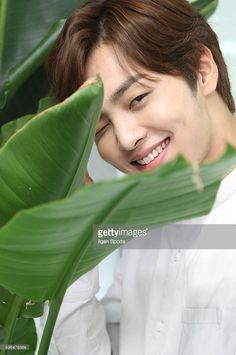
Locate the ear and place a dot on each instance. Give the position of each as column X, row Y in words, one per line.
column 207, row 72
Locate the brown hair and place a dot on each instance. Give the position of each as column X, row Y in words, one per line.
column 165, row 36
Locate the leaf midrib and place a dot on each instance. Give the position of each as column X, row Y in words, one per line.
column 3, row 11
column 70, row 267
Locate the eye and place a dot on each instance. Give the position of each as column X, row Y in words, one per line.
column 101, row 130
column 137, row 100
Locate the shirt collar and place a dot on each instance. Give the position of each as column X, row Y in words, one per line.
column 227, row 187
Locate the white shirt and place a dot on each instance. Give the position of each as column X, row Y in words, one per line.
column 167, row 302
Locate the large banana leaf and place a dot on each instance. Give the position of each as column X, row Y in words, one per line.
column 47, row 157
column 28, row 30
column 36, row 262
column 40, row 263
column 60, row 169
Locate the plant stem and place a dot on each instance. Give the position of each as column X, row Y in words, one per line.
column 11, row 321
column 54, row 308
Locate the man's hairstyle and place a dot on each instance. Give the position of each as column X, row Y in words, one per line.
column 164, row 36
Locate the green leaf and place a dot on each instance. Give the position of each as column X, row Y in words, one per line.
column 37, row 262
column 17, row 75
column 7, row 130
column 10, row 128
column 25, row 101
column 45, row 160
column 6, row 299
column 10, row 321
column 24, row 96
column 28, row 310
column 16, row 329
column 206, row 7
column 46, row 103
column 22, row 51
column 31, row 309
column 24, row 333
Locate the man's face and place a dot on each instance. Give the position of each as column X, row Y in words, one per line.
column 146, row 122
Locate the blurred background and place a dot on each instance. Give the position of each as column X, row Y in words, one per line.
column 223, row 23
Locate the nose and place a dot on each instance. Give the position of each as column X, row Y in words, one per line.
column 129, row 134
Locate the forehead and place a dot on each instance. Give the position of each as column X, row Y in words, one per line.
column 107, row 62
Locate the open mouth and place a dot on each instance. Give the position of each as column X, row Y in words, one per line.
column 154, row 158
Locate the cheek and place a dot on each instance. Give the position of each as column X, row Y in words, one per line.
column 102, row 150
column 107, row 149
column 164, row 114
column 175, row 107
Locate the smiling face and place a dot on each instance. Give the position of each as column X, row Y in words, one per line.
column 148, row 120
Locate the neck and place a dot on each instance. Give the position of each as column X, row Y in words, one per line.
column 223, row 126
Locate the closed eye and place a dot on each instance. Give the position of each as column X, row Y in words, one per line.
column 101, row 130
column 137, row 100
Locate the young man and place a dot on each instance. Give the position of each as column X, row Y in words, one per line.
column 166, row 92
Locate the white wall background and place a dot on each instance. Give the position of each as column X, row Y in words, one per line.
column 224, row 24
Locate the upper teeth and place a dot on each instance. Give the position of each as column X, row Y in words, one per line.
column 150, row 157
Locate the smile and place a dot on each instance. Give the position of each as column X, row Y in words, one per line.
column 154, row 154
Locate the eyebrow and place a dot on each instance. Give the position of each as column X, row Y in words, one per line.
column 124, row 87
